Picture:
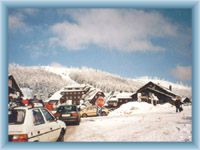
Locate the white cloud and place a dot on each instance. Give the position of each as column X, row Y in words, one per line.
column 183, row 73
column 55, row 64
column 16, row 21
column 29, row 11
column 127, row 30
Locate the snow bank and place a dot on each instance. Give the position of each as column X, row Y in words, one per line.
column 131, row 108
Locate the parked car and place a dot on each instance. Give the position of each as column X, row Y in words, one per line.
column 68, row 114
column 34, row 125
column 93, row 111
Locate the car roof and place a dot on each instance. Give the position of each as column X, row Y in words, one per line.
column 26, row 108
column 21, row 107
column 67, row 105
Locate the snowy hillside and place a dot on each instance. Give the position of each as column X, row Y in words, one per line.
column 37, row 80
column 45, row 80
column 109, row 82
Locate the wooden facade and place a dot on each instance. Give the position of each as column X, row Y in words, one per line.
column 123, row 101
column 13, row 89
column 73, row 94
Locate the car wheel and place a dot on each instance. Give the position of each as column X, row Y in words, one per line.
column 103, row 113
column 77, row 123
column 84, row 115
column 61, row 136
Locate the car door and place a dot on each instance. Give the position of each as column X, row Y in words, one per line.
column 39, row 130
column 94, row 110
column 52, row 125
column 91, row 111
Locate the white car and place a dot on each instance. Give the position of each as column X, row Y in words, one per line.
column 34, row 125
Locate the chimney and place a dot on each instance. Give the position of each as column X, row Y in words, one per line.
column 170, row 87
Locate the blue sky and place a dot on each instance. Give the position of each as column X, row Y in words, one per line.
column 127, row 42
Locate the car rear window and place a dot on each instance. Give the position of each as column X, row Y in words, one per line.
column 64, row 109
column 16, row 116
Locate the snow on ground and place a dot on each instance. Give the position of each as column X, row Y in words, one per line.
column 131, row 108
column 147, row 123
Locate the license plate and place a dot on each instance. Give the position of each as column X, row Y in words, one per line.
column 66, row 115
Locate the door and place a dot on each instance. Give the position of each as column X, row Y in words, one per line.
column 52, row 125
column 93, row 111
column 40, row 132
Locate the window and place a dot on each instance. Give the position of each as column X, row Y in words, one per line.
column 77, row 102
column 66, row 109
column 47, row 115
column 37, row 116
column 16, row 116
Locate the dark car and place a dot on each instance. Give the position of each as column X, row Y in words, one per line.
column 68, row 114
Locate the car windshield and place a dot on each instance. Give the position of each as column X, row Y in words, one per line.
column 68, row 108
column 16, row 116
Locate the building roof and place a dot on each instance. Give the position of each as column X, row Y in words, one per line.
column 120, row 95
column 113, row 99
column 56, row 96
column 91, row 94
column 74, row 86
column 158, row 89
column 16, row 88
column 124, row 95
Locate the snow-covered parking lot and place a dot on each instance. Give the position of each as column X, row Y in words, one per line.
column 136, row 122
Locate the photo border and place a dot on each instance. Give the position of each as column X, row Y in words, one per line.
column 193, row 4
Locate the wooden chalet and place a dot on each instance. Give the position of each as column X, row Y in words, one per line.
column 120, row 98
column 73, row 93
column 14, row 90
column 185, row 100
column 155, row 94
column 92, row 95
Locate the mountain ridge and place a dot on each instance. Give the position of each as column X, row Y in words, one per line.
column 45, row 80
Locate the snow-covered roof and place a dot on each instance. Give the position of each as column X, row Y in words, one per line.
column 113, row 99
column 124, row 95
column 160, row 92
column 56, row 96
column 166, row 92
column 75, row 86
column 91, row 93
column 166, row 89
column 119, row 95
